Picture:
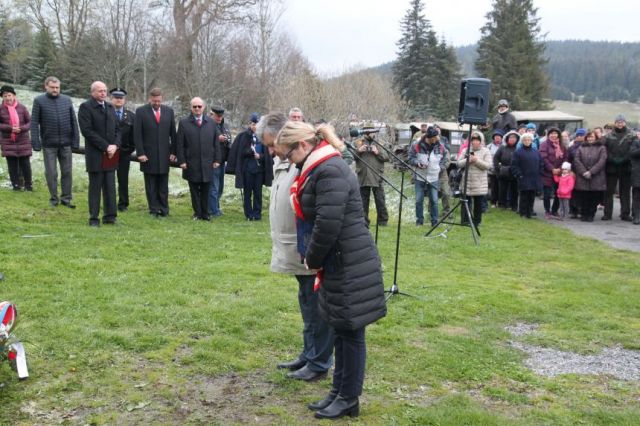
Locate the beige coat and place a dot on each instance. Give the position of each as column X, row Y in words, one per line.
column 284, row 252
column 478, row 182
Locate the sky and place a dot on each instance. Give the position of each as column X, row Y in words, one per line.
column 338, row 35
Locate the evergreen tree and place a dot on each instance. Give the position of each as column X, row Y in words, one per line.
column 426, row 72
column 42, row 62
column 511, row 55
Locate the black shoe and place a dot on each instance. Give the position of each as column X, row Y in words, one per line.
column 109, row 222
column 28, row 188
column 207, row 218
column 122, row 208
column 94, row 223
column 68, row 204
column 636, row 220
column 306, row 374
column 605, row 218
column 323, row 403
column 340, row 407
column 53, row 203
column 294, row 365
column 626, row 218
column 17, row 188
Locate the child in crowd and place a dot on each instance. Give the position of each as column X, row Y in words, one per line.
column 566, row 181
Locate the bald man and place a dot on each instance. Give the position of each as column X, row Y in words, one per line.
column 198, row 156
column 99, row 126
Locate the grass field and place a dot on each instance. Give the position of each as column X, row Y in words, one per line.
column 601, row 113
column 171, row 321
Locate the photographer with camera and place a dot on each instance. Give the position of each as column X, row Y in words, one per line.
column 369, row 178
column 429, row 156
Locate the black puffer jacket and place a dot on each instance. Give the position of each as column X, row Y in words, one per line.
column 634, row 154
column 53, row 122
column 352, row 292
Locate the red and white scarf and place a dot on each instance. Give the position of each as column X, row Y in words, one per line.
column 321, row 153
column 13, row 117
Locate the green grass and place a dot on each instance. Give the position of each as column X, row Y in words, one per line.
column 600, row 113
column 171, row 321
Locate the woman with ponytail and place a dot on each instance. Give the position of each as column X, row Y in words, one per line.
column 334, row 240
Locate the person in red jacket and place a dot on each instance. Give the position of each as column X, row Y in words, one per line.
column 15, row 122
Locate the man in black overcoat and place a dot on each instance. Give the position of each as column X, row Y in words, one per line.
column 125, row 122
column 98, row 125
column 198, row 154
column 154, row 134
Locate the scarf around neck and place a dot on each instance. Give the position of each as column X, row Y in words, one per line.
column 13, row 117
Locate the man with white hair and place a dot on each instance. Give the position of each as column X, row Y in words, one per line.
column 295, row 114
column 99, row 126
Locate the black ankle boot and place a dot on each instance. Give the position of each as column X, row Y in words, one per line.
column 340, row 407
column 323, row 403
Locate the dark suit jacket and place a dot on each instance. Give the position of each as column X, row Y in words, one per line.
column 100, row 129
column 155, row 140
column 197, row 147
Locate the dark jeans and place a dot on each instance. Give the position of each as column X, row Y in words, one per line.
column 378, row 197
column 351, row 357
column 589, row 201
column 252, row 184
column 20, row 167
column 527, row 199
column 624, row 182
column 51, row 157
column 217, row 186
column 102, row 183
column 431, row 189
column 547, row 193
column 317, row 335
column 199, row 198
column 123, row 180
column 635, row 204
column 508, row 193
column 156, row 187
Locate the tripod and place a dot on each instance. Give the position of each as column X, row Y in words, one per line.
column 463, row 203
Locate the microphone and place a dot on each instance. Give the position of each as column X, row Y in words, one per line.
column 354, row 133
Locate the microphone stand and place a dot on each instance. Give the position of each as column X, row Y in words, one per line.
column 462, row 201
column 395, row 289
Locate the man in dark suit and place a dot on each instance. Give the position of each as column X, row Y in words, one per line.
column 125, row 122
column 154, row 133
column 198, row 154
column 98, row 124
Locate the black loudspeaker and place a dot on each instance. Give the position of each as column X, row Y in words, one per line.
column 474, row 100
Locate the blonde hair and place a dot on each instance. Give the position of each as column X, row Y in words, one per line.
column 296, row 131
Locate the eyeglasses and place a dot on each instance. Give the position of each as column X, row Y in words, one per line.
column 293, row 148
column 196, row 106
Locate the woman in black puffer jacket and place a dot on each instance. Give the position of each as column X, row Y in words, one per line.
column 333, row 238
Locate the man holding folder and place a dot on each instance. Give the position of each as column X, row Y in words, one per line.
column 99, row 126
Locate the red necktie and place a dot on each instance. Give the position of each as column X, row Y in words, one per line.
column 157, row 113
column 199, row 121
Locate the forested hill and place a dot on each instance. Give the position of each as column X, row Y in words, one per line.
column 609, row 71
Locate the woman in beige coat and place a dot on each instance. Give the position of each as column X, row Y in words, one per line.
column 480, row 162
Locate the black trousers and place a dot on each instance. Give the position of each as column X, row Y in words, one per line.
column 589, row 201
column 624, row 182
column 200, row 198
column 20, row 167
column 378, row 198
column 635, row 204
column 351, row 357
column 526, row 202
column 494, row 191
column 508, row 193
column 102, row 183
column 475, row 207
column 156, row 187
column 123, row 180
column 252, row 202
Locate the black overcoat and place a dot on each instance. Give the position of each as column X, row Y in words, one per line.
column 634, row 154
column 99, row 126
column 241, row 149
column 352, row 291
column 527, row 166
column 155, row 140
column 196, row 146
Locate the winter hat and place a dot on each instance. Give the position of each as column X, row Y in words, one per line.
column 5, row 89
column 531, row 126
column 497, row 132
column 255, row 117
column 566, row 166
column 432, row 132
column 619, row 117
column 581, row 132
column 503, row 102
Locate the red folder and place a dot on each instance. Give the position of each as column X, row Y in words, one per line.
column 110, row 163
